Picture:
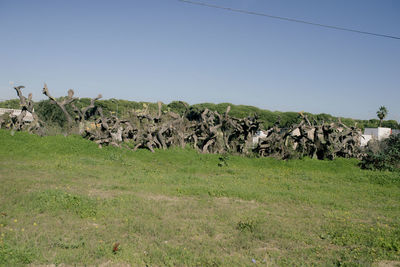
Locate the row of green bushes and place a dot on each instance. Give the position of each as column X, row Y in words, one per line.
column 50, row 113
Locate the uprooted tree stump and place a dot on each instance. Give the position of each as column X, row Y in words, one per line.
column 19, row 122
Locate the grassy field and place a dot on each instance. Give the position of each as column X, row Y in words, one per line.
column 65, row 201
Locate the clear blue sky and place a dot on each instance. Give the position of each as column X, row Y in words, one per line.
column 149, row 50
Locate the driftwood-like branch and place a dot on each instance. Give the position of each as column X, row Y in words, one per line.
column 61, row 103
column 24, row 107
column 83, row 112
column 26, row 104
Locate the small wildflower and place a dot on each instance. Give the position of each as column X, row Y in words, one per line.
column 22, row 229
column 34, row 224
column 2, row 234
column 15, row 220
column 1, row 225
column 97, row 226
column 253, row 260
column 115, row 247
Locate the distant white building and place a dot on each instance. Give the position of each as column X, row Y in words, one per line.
column 379, row 134
column 15, row 112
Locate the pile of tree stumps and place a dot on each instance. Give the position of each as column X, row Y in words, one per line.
column 205, row 130
column 323, row 141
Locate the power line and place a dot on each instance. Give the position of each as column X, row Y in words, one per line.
column 287, row 19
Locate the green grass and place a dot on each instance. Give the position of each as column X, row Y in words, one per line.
column 65, row 201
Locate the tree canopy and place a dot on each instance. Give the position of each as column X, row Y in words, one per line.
column 381, row 113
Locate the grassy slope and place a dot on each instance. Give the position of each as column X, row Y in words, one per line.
column 66, row 201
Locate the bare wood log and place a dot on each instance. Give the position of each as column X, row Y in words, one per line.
column 159, row 103
column 205, row 147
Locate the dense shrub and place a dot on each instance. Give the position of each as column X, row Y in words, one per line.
column 384, row 155
column 178, row 107
column 50, row 113
column 12, row 103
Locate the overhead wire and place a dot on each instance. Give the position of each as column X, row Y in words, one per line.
column 288, row 19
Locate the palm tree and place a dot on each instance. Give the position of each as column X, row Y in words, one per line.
column 381, row 113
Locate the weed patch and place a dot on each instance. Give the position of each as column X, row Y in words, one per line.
column 69, row 244
column 13, row 256
column 247, row 225
column 367, row 241
column 59, row 201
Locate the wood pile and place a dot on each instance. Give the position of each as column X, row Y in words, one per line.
column 205, row 130
column 324, row 141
